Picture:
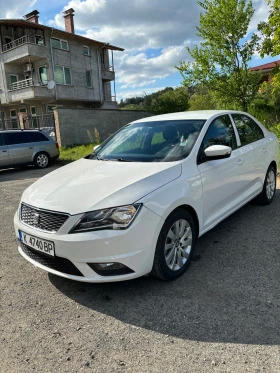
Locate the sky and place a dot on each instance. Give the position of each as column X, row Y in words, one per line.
column 154, row 34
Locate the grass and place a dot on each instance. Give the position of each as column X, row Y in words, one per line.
column 75, row 152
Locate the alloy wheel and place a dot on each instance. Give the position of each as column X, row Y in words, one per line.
column 42, row 160
column 270, row 184
column 178, row 245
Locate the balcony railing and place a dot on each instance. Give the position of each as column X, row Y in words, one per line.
column 110, row 98
column 108, row 68
column 39, row 40
column 21, row 84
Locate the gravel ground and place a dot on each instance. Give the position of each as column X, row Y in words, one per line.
column 221, row 316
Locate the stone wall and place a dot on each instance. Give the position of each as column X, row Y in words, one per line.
column 83, row 126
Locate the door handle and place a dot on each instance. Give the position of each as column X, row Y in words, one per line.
column 4, row 151
column 263, row 149
column 240, row 161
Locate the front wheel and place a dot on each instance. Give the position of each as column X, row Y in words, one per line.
column 269, row 187
column 175, row 246
column 41, row 160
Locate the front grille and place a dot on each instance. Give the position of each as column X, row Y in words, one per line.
column 48, row 221
column 58, row 264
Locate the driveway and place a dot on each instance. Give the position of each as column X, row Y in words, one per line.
column 221, row 316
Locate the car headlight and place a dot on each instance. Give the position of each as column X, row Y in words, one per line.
column 113, row 218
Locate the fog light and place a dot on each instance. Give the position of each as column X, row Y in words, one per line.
column 110, row 269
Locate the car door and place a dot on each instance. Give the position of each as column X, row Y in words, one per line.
column 20, row 148
column 222, row 180
column 4, row 152
column 254, row 152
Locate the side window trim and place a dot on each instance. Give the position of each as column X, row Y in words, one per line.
column 199, row 154
column 256, row 124
column 236, row 132
column 4, row 138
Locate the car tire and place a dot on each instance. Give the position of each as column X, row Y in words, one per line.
column 41, row 160
column 175, row 246
column 269, row 187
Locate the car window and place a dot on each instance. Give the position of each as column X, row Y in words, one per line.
column 248, row 130
column 157, row 141
column 220, row 132
column 17, row 138
column 37, row 136
column 2, row 139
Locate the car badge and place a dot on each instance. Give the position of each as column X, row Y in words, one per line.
column 36, row 218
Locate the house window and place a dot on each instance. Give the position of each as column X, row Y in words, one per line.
column 88, row 79
column 62, row 75
column 33, row 110
column 60, row 44
column 39, row 40
column 13, row 79
column 86, row 51
column 13, row 113
column 14, row 119
column 8, row 39
column 34, row 119
column 43, row 78
column 22, row 110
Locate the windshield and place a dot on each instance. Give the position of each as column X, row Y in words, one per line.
column 162, row 141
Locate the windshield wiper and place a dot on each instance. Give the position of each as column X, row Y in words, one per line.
column 123, row 160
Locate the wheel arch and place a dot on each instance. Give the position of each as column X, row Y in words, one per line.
column 273, row 164
column 193, row 213
column 39, row 152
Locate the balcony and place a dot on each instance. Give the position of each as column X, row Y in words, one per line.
column 21, row 84
column 110, row 98
column 108, row 73
column 26, row 90
column 20, row 50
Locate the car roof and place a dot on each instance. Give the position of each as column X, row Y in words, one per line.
column 197, row 114
column 20, row 131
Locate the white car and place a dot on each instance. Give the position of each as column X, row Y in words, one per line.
column 139, row 202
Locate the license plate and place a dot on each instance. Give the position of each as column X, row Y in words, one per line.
column 46, row 247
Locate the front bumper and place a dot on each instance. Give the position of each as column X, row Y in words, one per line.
column 133, row 247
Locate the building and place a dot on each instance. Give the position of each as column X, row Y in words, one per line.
column 42, row 67
column 265, row 70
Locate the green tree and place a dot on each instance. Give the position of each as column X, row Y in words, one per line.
column 221, row 60
column 271, row 42
column 170, row 102
column 202, row 99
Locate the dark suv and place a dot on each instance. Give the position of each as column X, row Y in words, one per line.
column 26, row 147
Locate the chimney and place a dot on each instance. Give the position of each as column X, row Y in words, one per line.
column 32, row 17
column 69, row 20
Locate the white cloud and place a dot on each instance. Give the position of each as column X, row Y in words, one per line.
column 260, row 15
column 15, row 9
column 134, row 24
column 139, row 70
column 140, row 26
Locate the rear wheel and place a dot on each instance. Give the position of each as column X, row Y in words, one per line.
column 41, row 160
column 269, row 187
column 175, row 246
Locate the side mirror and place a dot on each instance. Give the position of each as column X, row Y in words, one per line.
column 214, row 152
column 96, row 147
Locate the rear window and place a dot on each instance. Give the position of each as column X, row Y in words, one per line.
column 2, row 139
column 37, row 136
column 17, row 138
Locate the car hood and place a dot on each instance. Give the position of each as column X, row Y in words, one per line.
column 87, row 185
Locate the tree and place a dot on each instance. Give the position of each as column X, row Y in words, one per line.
column 221, row 61
column 202, row 99
column 271, row 42
column 170, row 102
